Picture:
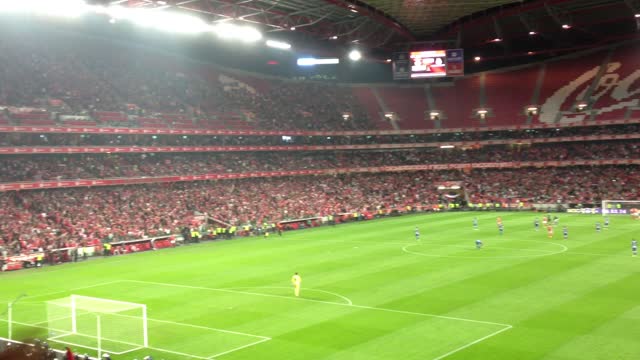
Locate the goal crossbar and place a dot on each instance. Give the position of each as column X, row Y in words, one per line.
column 124, row 304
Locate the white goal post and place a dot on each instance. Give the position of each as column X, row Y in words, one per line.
column 619, row 207
column 97, row 323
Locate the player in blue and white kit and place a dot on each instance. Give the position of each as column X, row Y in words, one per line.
column 634, row 247
column 478, row 244
column 417, row 234
column 475, row 223
column 597, row 227
column 606, row 222
column 536, row 224
column 500, row 228
column 565, row 232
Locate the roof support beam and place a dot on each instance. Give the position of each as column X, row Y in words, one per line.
column 382, row 19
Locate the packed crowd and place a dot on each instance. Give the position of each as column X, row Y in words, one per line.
column 72, row 167
column 29, row 139
column 67, row 217
column 39, row 350
column 36, row 349
column 36, row 69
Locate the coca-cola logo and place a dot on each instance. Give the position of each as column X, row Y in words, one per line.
column 620, row 90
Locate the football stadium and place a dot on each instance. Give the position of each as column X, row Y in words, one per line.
column 319, row 179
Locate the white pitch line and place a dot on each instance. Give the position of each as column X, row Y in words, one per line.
column 177, row 353
column 596, row 254
column 93, row 348
column 318, row 301
column 58, row 336
column 68, row 334
column 238, row 348
column 69, row 290
column 210, row 328
column 473, row 343
column 57, row 339
column 155, row 320
column 304, row 289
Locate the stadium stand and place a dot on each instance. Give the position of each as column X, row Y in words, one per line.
column 105, row 83
column 94, row 137
column 46, row 83
column 408, row 104
column 564, row 81
column 373, row 110
column 64, row 217
column 73, row 167
column 511, row 104
column 613, row 95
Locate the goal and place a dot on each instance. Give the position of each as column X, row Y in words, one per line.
column 620, row 207
column 105, row 325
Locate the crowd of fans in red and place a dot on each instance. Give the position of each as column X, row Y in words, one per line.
column 72, row 167
column 66, row 217
column 105, row 76
column 50, row 73
column 29, row 139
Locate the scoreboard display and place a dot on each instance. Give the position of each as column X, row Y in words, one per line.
column 428, row 63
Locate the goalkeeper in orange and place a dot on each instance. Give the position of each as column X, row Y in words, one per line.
column 296, row 280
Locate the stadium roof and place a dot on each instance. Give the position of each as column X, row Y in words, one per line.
column 399, row 24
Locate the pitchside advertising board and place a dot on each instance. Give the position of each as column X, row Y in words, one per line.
column 428, row 63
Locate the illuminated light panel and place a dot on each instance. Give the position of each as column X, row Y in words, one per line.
column 278, row 44
column 314, row 61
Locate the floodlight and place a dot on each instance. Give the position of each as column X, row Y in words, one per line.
column 225, row 30
column 231, row 31
column 278, row 44
column 248, row 34
column 355, row 55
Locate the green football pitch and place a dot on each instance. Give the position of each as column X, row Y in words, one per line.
column 369, row 291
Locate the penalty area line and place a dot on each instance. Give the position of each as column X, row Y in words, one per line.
column 321, row 302
column 66, row 291
column 238, row 348
column 473, row 343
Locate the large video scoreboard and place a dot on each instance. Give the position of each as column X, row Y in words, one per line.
column 428, row 63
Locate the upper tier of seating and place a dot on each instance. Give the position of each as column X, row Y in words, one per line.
column 43, row 78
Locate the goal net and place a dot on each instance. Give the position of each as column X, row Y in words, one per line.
column 116, row 327
column 621, row 207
